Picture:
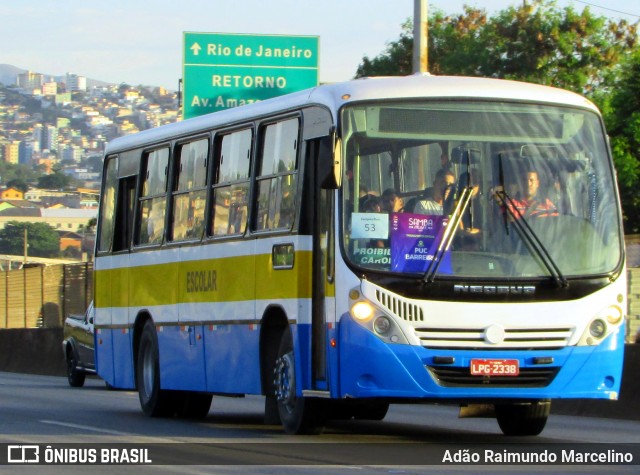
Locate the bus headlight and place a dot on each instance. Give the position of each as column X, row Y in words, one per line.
column 602, row 324
column 375, row 319
column 382, row 325
column 362, row 310
column 613, row 314
column 598, row 328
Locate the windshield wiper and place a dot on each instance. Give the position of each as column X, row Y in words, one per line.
column 504, row 189
column 530, row 238
column 452, row 227
column 449, row 234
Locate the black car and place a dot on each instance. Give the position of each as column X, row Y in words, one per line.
column 78, row 346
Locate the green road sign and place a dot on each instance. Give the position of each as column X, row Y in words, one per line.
column 222, row 70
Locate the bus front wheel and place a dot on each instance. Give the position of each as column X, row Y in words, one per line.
column 298, row 415
column 154, row 401
column 521, row 419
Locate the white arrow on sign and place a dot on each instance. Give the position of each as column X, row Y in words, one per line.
column 196, row 49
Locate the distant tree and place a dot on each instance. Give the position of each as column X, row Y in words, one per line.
column 622, row 117
column 146, row 92
column 14, row 97
column 535, row 42
column 458, row 43
column 18, row 184
column 10, row 171
column 78, row 96
column 42, row 239
column 71, row 253
column 123, row 87
column 91, row 224
column 541, row 43
column 55, row 181
column 94, row 163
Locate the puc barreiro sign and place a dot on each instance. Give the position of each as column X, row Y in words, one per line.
column 222, row 70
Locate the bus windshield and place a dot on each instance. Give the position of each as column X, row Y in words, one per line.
column 478, row 190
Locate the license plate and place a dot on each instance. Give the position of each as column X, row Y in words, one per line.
column 495, row 367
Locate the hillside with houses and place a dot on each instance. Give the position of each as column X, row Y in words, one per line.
column 53, row 133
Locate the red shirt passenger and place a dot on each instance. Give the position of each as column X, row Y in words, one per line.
column 533, row 205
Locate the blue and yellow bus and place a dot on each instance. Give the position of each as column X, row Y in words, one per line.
column 385, row 240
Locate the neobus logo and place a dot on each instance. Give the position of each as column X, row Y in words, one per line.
column 495, row 289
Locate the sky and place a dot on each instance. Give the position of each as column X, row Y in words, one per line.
column 140, row 41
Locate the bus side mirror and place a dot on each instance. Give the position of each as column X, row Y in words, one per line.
column 330, row 164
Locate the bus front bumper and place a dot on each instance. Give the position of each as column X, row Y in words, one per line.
column 370, row 368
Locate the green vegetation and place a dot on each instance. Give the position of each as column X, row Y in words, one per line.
column 541, row 43
column 42, row 239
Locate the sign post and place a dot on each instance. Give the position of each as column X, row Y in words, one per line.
column 222, row 70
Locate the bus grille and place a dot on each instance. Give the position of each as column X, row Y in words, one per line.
column 523, row 338
column 528, row 377
column 402, row 308
column 452, row 338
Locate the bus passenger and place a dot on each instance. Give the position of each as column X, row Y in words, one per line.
column 533, row 204
column 371, row 204
column 441, row 188
column 392, row 202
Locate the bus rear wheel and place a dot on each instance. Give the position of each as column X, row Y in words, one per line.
column 522, row 419
column 298, row 415
column 154, row 401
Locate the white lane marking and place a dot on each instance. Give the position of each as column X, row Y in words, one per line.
column 88, row 428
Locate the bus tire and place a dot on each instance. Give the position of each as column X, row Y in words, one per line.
column 522, row 419
column 75, row 376
column 194, row 405
column 154, row 401
column 298, row 415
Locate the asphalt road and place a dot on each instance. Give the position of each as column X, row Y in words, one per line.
column 44, row 411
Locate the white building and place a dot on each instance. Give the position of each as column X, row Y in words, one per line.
column 30, row 81
column 61, row 219
column 76, row 83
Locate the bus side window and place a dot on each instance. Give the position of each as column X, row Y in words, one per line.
column 125, row 204
column 189, row 192
column 231, row 183
column 276, row 178
column 108, row 205
column 153, row 199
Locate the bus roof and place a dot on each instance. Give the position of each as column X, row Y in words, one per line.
column 336, row 95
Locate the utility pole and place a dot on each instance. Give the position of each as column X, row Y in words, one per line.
column 420, row 32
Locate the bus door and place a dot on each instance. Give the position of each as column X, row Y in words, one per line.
column 120, row 289
column 323, row 318
column 103, row 276
column 323, row 294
